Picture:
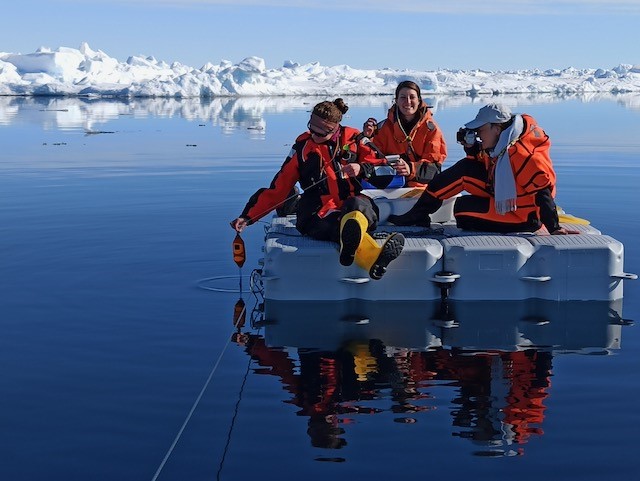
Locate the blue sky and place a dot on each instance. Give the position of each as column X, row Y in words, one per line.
column 373, row 34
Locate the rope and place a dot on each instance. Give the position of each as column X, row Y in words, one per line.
column 195, row 404
column 275, row 206
column 233, row 420
column 320, row 180
column 220, row 289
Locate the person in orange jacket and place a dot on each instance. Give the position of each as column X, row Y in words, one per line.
column 410, row 132
column 508, row 173
column 327, row 161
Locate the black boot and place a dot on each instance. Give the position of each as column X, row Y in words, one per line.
column 419, row 213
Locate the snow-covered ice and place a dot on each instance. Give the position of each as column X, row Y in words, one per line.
column 92, row 73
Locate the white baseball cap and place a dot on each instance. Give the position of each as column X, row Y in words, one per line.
column 490, row 114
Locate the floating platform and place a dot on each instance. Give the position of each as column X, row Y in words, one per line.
column 447, row 262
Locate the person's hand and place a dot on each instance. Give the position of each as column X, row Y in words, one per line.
column 370, row 127
column 563, row 231
column 351, row 170
column 402, row 167
column 238, row 224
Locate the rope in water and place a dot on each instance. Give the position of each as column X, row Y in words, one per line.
column 233, row 421
column 201, row 284
column 197, row 401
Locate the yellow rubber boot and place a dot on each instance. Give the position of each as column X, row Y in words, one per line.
column 368, row 252
column 353, row 228
column 374, row 258
column 363, row 360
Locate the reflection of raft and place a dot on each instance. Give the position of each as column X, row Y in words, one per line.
column 576, row 326
column 445, row 261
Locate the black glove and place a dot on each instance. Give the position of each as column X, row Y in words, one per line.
column 427, row 171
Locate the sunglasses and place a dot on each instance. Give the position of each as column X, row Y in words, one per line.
column 319, row 133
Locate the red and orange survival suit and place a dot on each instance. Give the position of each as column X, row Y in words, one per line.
column 318, row 169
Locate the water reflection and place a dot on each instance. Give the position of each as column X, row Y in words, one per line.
column 89, row 113
column 490, row 362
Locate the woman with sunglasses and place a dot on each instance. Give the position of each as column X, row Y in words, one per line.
column 327, row 162
column 411, row 132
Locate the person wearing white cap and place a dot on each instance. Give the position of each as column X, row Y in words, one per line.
column 510, row 178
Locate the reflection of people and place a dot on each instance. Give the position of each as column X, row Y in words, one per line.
column 326, row 161
column 314, row 387
column 501, row 394
column 325, row 384
column 411, row 132
column 499, row 402
column 511, row 179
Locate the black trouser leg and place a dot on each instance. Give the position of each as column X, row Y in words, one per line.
column 328, row 227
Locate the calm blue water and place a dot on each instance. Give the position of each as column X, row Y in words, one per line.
column 117, row 295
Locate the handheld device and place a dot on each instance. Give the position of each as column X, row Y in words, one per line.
column 392, row 160
column 467, row 136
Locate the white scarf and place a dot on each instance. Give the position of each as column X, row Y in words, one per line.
column 504, row 182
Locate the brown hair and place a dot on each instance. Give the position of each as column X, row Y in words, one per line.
column 408, row 84
column 331, row 111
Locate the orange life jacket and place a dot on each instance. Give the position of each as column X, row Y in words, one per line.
column 532, row 169
column 530, row 160
column 425, row 142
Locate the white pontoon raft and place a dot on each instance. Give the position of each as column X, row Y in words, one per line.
column 447, row 262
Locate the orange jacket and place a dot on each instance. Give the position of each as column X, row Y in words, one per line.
column 424, row 144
